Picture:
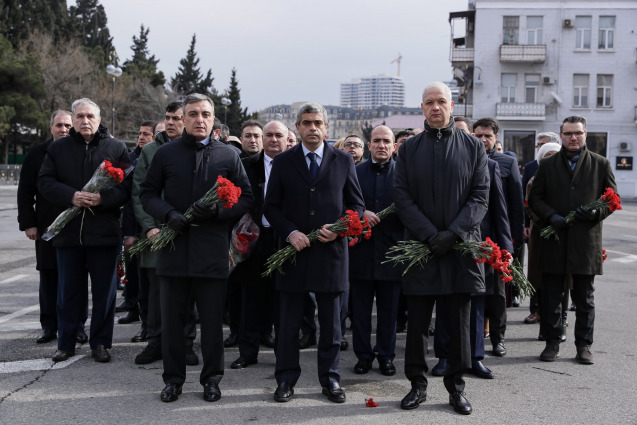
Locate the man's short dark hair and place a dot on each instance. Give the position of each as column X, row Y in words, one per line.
column 196, row 98
column 173, row 106
column 151, row 124
column 251, row 123
column 216, row 125
column 487, row 123
column 60, row 112
column 466, row 121
column 311, row 108
column 574, row 120
column 402, row 133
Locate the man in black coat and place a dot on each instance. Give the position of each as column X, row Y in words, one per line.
column 196, row 262
column 310, row 187
column 486, row 129
column 368, row 277
column 35, row 214
column 90, row 241
column 441, row 191
column 257, row 292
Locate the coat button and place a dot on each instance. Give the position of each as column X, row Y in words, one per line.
column 311, row 212
column 312, row 189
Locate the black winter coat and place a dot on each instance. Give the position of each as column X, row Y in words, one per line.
column 69, row 165
column 202, row 250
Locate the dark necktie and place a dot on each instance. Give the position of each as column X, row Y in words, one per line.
column 314, row 167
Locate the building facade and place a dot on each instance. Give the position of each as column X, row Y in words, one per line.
column 531, row 64
column 372, row 92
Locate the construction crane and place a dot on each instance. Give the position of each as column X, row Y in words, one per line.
column 397, row 60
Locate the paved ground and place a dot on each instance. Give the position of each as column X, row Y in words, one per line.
column 525, row 390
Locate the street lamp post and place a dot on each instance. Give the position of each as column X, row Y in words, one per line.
column 115, row 71
column 225, row 102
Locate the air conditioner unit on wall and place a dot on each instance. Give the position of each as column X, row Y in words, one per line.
column 568, row 23
column 625, row 146
column 548, row 80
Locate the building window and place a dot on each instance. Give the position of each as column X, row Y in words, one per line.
column 531, row 87
column 580, row 90
column 583, row 32
column 597, row 142
column 510, row 29
column 522, row 143
column 534, row 29
column 509, row 81
column 606, row 32
column 604, row 91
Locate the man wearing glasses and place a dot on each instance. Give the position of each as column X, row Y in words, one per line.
column 568, row 181
column 353, row 145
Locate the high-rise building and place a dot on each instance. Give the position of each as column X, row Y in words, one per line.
column 372, row 92
column 531, row 64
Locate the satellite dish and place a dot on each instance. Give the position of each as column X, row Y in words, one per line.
column 556, row 98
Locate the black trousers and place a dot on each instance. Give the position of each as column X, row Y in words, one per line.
column 48, row 299
column 419, row 309
column 175, row 296
column 552, row 307
column 292, row 305
column 496, row 310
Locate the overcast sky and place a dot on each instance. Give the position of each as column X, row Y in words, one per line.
column 287, row 51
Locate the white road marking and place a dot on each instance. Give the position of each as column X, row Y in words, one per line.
column 20, row 326
column 626, row 260
column 14, row 278
column 36, row 364
column 19, row 313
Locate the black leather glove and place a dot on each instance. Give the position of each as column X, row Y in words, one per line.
column 176, row 221
column 201, row 213
column 442, row 242
column 557, row 221
column 584, row 214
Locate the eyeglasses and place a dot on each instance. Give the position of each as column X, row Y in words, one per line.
column 354, row 144
column 573, row 133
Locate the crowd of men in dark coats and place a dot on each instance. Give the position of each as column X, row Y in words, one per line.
column 448, row 183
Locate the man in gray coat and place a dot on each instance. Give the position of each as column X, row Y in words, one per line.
column 441, row 191
column 567, row 181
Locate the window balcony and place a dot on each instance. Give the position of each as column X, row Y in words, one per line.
column 463, row 110
column 462, row 55
column 520, row 111
column 524, row 53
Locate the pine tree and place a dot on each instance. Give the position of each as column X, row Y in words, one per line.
column 20, row 18
column 236, row 115
column 188, row 78
column 142, row 65
column 89, row 21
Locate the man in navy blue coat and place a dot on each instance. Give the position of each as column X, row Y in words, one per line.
column 368, row 277
column 311, row 186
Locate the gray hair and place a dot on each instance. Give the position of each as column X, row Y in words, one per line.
column 280, row 123
column 311, row 108
column 553, row 137
column 195, row 98
column 437, row 85
column 59, row 112
column 85, row 101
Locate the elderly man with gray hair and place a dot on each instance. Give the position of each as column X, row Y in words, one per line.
column 529, row 171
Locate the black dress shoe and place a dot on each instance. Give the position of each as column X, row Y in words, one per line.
column 123, row 306
column 101, row 354
column 130, row 317
column 267, row 340
column 81, row 336
column 307, row 340
column 46, row 336
column 141, row 336
column 242, row 362
column 231, row 341
column 344, row 344
column 362, row 367
column 150, row 354
column 191, row 357
column 478, row 369
column 334, row 392
column 413, row 398
column 387, row 367
column 170, row 393
column 284, row 392
column 61, row 355
column 211, row 392
column 441, row 368
column 460, row 403
column 499, row 349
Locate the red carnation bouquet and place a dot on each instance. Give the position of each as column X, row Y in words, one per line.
column 242, row 241
column 106, row 175
column 367, row 233
column 608, row 201
column 348, row 225
column 418, row 253
column 223, row 191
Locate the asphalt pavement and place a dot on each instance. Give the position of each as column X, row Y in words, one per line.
column 34, row 390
